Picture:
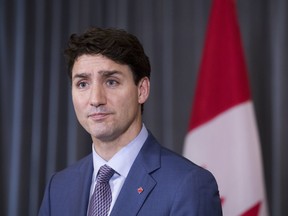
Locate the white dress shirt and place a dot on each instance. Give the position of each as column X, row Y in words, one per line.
column 121, row 162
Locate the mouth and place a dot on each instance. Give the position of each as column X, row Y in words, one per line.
column 98, row 116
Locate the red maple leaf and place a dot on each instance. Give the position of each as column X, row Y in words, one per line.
column 253, row 211
column 222, row 200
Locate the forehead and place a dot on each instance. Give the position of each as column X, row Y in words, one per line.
column 97, row 64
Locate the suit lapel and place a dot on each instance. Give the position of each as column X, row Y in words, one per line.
column 80, row 186
column 86, row 182
column 139, row 182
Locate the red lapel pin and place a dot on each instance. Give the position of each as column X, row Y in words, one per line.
column 140, row 190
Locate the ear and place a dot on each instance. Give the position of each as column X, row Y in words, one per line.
column 143, row 90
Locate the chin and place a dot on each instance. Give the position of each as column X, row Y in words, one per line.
column 104, row 136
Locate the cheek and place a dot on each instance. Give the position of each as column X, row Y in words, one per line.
column 78, row 104
column 130, row 104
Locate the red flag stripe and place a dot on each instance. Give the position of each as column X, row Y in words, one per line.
column 228, row 84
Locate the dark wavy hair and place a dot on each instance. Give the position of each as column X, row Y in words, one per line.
column 115, row 44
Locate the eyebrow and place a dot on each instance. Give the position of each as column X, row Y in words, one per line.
column 105, row 73
column 81, row 76
column 109, row 73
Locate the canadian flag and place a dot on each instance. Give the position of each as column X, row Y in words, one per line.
column 223, row 135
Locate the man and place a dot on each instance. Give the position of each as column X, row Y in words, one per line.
column 110, row 76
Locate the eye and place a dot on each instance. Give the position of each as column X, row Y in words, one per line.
column 82, row 84
column 112, row 83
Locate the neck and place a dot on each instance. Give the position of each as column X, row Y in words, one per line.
column 107, row 149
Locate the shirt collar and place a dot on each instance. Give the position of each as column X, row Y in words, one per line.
column 122, row 161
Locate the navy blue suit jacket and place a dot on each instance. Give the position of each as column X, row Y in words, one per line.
column 172, row 185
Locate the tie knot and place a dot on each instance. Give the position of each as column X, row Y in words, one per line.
column 105, row 173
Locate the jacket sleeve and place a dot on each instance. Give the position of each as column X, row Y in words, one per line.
column 197, row 195
column 45, row 205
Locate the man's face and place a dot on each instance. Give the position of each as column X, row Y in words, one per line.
column 106, row 100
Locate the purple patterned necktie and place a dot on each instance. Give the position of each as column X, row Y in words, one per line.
column 101, row 199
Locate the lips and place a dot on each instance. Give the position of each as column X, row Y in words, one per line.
column 98, row 116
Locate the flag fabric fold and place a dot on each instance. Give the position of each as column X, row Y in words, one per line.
column 222, row 135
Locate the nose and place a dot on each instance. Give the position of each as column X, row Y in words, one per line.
column 97, row 95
